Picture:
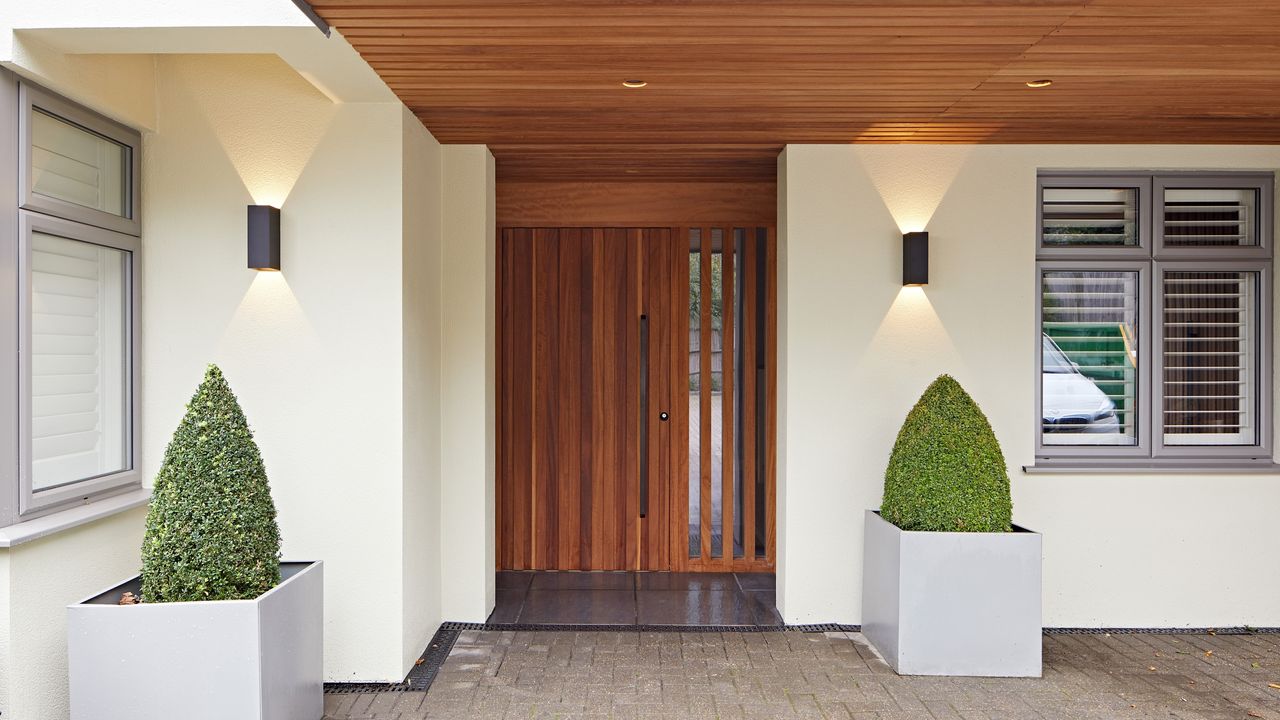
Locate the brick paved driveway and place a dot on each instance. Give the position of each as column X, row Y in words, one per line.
column 668, row 676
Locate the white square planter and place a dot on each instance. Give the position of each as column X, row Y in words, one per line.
column 257, row 659
column 952, row 603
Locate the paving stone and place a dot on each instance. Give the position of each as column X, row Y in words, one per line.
column 674, row 676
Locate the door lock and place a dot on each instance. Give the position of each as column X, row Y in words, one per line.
column 663, row 416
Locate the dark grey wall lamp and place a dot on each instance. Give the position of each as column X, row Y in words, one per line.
column 264, row 237
column 915, row 259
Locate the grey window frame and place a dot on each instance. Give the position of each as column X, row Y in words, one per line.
column 32, row 97
column 21, row 213
column 30, row 501
column 1152, row 259
column 1262, row 449
column 1141, row 183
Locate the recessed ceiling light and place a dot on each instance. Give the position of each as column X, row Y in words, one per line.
column 1039, row 83
column 634, row 83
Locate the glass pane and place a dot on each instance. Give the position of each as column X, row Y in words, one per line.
column 695, row 384
column 717, row 394
column 1090, row 217
column 1210, row 217
column 72, row 164
column 79, row 360
column 1089, row 350
column 1211, row 346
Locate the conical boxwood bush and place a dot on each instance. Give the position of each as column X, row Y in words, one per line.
column 211, row 529
column 947, row 473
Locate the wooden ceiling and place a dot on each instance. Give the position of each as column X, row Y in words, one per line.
column 731, row 81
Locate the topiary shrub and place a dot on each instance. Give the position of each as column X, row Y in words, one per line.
column 947, row 472
column 211, row 529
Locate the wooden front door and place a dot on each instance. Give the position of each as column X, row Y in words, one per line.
column 606, row 428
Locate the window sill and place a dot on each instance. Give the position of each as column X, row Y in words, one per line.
column 29, row 530
column 1151, row 468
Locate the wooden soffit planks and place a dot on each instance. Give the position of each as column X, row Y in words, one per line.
column 732, row 81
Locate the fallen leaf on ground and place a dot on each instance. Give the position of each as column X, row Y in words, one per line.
column 419, row 661
column 1152, row 668
column 1208, row 653
column 1274, row 686
column 1253, row 714
column 1255, row 664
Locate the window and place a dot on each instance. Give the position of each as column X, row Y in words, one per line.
column 1154, row 312
column 73, row 291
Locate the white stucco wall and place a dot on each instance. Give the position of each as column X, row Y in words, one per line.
column 421, row 552
column 858, row 349
column 469, row 400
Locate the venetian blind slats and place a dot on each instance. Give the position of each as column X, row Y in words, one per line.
column 76, row 374
column 1207, row 217
column 1103, row 217
column 1210, row 350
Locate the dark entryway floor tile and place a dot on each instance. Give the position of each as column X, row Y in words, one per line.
column 674, row 607
column 757, row 581
column 721, row 582
column 598, row 607
column 583, row 581
column 763, row 604
column 506, row 606
column 514, row 580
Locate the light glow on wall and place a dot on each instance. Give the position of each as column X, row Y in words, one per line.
column 912, row 334
column 268, row 317
column 268, row 149
column 913, row 180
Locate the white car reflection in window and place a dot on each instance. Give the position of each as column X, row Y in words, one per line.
column 1072, row 402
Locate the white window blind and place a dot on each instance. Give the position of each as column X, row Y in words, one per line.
column 1210, row 358
column 79, row 351
column 1210, row 217
column 1089, row 217
column 1089, row 348
column 72, row 164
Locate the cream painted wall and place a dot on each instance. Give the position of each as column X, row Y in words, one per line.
column 468, row 447
column 423, row 180
column 858, row 349
column 44, row 577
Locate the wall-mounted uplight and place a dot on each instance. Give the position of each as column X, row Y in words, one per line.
column 634, row 83
column 915, row 259
column 264, row 237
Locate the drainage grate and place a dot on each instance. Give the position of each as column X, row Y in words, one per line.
column 424, row 670
column 1162, row 631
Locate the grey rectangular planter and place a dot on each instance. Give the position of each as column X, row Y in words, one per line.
column 952, row 603
column 257, row 659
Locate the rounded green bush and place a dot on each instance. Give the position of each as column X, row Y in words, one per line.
column 211, row 529
column 947, row 473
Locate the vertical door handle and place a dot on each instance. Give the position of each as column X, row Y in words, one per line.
column 644, row 415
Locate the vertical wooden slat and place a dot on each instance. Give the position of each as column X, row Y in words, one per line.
column 704, row 391
column 546, row 468
column 631, row 397
column 771, row 397
column 679, row 432
column 602, row 371
column 749, row 314
column 569, row 399
column 522, row 407
column 727, row 444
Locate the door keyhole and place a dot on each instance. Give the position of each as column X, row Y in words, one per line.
column 663, row 416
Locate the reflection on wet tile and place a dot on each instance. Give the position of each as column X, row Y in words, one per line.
column 597, row 607
column 506, row 606
column 583, row 581
column 673, row 607
column 514, row 580
column 722, row 582
column 756, row 581
column 763, row 605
